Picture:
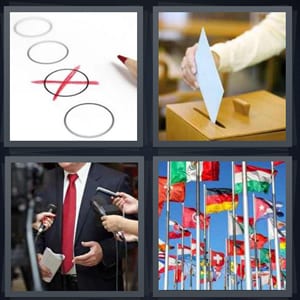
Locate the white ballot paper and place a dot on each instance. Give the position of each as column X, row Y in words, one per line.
column 208, row 78
column 52, row 261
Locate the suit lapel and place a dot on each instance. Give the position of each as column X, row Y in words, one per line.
column 89, row 192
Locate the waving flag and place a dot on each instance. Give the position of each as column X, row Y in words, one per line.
column 219, row 199
column 189, row 218
column 239, row 221
column 260, row 241
column 162, row 246
column 282, row 246
column 264, row 208
column 239, row 245
column 185, row 171
column 265, row 257
column 194, row 247
column 178, row 235
column 177, row 192
column 217, row 259
column 258, row 179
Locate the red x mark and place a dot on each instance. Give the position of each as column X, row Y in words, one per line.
column 66, row 81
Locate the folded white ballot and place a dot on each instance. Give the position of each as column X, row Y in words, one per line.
column 208, row 78
column 52, row 261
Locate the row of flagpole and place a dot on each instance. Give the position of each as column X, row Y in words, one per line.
column 248, row 275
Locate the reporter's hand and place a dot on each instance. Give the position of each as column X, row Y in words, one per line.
column 112, row 223
column 130, row 237
column 126, row 202
column 189, row 68
column 45, row 272
column 45, row 218
column 92, row 258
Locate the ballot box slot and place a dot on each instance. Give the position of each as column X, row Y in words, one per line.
column 207, row 117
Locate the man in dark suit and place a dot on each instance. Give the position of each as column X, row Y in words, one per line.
column 93, row 264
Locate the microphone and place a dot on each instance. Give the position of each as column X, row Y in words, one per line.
column 96, row 203
column 42, row 228
column 106, row 191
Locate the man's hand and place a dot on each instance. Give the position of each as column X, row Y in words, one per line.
column 45, row 272
column 92, row 258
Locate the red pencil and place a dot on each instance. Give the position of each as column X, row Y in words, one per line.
column 130, row 63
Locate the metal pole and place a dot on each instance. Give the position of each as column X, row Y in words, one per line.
column 246, row 229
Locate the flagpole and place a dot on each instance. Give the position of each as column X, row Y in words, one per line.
column 209, row 257
column 246, row 229
column 197, row 225
column 166, row 277
column 234, row 228
column 176, row 269
column 270, row 256
column 209, row 268
column 255, row 244
column 226, row 267
column 278, row 277
column 204, row 238
column 182, row 251
column 191, row 265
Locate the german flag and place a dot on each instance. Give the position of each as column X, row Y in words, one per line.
column 219, row 199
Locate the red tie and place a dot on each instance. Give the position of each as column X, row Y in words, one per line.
column 68, row 223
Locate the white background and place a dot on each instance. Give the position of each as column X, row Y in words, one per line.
column 94, row 40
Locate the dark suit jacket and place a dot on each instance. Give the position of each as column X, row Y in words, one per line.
column 89, row 228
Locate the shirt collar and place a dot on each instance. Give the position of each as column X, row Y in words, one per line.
column 82, row 172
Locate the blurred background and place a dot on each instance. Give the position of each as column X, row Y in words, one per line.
column 179, row 30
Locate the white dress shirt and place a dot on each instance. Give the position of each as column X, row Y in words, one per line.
column 266, row 39
column 80, row 186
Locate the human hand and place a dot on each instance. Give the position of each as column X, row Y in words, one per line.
column 130, row 237
column 92, row 258
column 189, row 68
column 45, row 218
column 112, row 223
column 126, row 202
column 45, row 272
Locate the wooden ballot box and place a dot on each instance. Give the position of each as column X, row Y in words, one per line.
column 255, row 116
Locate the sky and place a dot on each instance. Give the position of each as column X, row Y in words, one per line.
column 218, row 225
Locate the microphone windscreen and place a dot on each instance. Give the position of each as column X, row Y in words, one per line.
column 105, row 202
column 52, row 208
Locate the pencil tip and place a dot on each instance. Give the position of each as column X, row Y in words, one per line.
column 122, row 58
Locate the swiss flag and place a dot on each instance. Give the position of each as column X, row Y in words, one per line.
column 217, row 259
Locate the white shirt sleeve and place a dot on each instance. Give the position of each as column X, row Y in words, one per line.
column 266, row 39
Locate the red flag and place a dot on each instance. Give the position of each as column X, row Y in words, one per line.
column 274, row 280
column 177, row 192
column 179, row 277
column 240, row 220
column 240, row 270
column 239, row 245
column 194, row 247
column 189, row 218
column 210, row 170
column 260, row 241
column 217, row 258
column 278, row 162
column 178, row 235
